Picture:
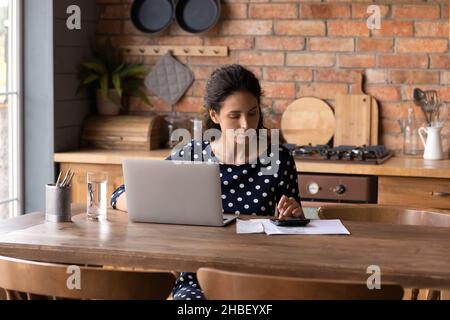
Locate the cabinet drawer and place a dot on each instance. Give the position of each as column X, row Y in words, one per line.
column 414, row 192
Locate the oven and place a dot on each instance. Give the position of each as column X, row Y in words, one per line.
column 320, row 189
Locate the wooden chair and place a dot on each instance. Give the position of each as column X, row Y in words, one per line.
column 392, row 215
column 226, row 285
column 23, row 279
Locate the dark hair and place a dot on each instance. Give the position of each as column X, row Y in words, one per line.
column 225, row 81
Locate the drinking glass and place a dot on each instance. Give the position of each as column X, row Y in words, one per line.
column 97, row 201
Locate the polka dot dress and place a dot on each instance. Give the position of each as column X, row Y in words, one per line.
column 253, row 188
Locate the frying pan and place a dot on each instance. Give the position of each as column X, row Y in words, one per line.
column 197, row 16
column 152, row 16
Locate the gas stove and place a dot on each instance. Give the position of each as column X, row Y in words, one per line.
column 355, row 154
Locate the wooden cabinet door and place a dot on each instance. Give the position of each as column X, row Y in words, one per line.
column 79, row 182
column 414, row 192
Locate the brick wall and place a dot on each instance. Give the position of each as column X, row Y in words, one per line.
column 312, row 48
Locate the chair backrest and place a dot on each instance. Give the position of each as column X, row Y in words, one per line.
column 386, row 214
column 219, row 284
column 56, row 280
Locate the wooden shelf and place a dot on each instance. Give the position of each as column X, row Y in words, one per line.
column 195, row 51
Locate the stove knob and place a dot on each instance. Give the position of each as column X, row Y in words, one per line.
column 313, row 188
column 339, row 189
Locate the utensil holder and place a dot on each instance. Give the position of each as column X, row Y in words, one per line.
column 57, row 203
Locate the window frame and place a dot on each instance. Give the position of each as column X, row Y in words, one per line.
column 14, row 94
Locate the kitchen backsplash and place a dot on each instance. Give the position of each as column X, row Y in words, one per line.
column 311, row 48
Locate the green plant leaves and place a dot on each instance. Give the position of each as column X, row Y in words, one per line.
column 105, row 69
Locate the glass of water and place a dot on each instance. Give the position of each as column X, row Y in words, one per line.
column 97, row 202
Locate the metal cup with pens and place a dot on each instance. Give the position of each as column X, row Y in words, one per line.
column 58, row 199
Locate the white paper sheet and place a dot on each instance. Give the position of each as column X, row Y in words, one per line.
column 315, row 227
column 249, row 226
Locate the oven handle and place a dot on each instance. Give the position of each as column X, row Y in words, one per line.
column 440, row 194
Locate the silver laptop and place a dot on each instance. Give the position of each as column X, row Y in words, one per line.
column 176, row 192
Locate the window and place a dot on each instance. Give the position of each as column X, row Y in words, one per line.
column 10, row 106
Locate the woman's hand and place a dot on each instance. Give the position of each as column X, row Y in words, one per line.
column 289, row 208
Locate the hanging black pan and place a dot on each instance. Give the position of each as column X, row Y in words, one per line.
column 152, row 16
column 197, row 16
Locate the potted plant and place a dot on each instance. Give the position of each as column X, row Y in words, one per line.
column 113, row 79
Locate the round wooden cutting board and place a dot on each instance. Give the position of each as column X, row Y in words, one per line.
column 308, row 121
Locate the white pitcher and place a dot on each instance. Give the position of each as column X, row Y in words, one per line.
column 433, row 144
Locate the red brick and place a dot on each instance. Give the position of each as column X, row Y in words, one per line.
column 300, row 28
column 213, row 61
column 114, row 11
column 257, row 71
column 440, row 61
column 375, row 45
column 422, row 45
column 310, row 60
column 444, row 94
column 234, row 11
column 280, row 105
column 384, row 93
column 199, row 88
column 287, row 74
column 261, row 58
column 278, row 89
column 334, row 45
column 392, row 141
column 273, row 11
column 390, row 126
column 347, row 28
column 127, row 40
column 403, row 61
column 202, row 73
column 179, row 41
column 324, row 11
column 376, row 76
column 395, row 29
column 190, row 104
column 396, row 110
column 175, row 29
column 233, row 43
column 322, row 90
column 414, row 77
column 280, row 43
column 110, row 27
column 431, row 29
column 247, row 27
column 332, row 75
column 359, row 10
column 445, row 11
column 356, row 61
column 415, row 11
column 445, row 77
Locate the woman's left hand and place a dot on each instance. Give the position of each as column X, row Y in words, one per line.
column 288, row 207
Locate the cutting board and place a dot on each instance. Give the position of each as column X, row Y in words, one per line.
column 356, row 117
column 308, row 120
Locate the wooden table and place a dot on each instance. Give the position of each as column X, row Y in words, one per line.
column 412, row 256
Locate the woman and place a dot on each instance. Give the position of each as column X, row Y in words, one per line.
column 232, row 101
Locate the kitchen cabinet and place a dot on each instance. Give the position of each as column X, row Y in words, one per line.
column 417, row 192
column 410, row 182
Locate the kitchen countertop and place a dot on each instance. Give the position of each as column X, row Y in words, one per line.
column 396, row 166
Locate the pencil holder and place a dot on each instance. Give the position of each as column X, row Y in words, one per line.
column 57, row 203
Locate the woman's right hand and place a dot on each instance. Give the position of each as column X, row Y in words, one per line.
column 121, row 203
